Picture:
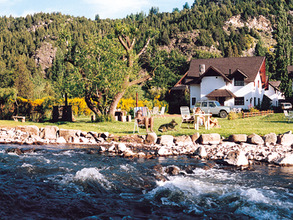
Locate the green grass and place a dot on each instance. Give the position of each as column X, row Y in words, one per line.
column 260, row 125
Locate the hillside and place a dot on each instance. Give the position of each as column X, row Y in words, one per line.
column 35, row 44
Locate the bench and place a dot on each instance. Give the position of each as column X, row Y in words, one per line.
column 16, row 118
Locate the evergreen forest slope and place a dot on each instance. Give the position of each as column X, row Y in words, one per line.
column 34, row 49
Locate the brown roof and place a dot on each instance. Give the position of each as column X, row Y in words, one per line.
column 290, row 68
column 249, row 66
column 290, row 71
column 221, row 93
column 275, row 84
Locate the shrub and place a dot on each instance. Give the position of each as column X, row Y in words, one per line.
column 79, row 106
column 252, row 109
column 104, row 118
column 129, row 104
column 232, row 116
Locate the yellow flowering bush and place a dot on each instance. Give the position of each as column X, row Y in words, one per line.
column 79, row 106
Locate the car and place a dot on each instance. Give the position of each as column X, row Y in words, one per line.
column 286, row 105
column 213, row 107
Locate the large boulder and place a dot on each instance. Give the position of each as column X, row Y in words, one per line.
column 255, row 139
column 285, row 139
column 49, row 132
column 201, row 151
column 238, row 138
column 151, row 138
column 270, row 138
column 166, row 140
column 237, row 158
column 183, row 140
column 172, row 170
column 121, row 147
column 68, row 134
column 286, row 160
column 210, row 139
column 31, row 129
column 195, row 137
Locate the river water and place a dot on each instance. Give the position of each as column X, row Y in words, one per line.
column 54, row 183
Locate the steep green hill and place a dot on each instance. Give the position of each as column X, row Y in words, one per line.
column 34, row 49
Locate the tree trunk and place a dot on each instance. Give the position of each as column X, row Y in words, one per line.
column 91, row 104
column 115, row 102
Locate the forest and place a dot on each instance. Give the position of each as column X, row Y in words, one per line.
column 104, row 60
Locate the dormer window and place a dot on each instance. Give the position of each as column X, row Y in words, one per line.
column 239, row 81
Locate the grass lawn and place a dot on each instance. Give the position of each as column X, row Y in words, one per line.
column 260, row 125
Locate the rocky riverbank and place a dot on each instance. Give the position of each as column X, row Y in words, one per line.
column 237, row 150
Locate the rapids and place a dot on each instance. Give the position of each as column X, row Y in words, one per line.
column 68, row 183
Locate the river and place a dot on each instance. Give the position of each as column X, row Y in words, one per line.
column 60, row 182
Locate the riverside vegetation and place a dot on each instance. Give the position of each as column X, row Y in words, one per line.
column 45, row 55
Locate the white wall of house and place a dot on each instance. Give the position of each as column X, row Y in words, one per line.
column 274, row 94
column 194, row 90
column 252, row 92
column 210, row 83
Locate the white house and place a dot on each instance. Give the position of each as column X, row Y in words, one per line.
column 238, row 82
column 273, row 92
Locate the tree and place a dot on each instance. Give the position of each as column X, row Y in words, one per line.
column 283, row 51
column 22, row 83
column 109, row 66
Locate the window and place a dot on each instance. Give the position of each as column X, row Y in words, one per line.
column 238, row 81
column 212, row 104
column 239, row 101
column 204, row 104
column 193, row 101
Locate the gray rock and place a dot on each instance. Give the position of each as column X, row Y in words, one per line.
column 270, row 138
column 237, row 158
column 49, row 132
column 210, row 139
column 172, row 170
column 201, row 151
column 122, row 147
column 68, row 134
column 30, row 129
column 286, row 160
column 285, row 139
column 183, row 140
column 238, row 138
column 166, row 140
column 195, row 137
column 255, row 139
column 60, row 140
column 104, row 135
column 151, row 138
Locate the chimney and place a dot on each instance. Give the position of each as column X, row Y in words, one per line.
column 202, row 68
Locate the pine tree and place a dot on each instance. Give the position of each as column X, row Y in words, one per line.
column 283, row 52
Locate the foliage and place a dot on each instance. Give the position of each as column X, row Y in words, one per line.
column 252, row 109
column 79, row 106
column 21, row 39
column 232, row 115
column 129, row 104
column 283, row 52
column 7, row 98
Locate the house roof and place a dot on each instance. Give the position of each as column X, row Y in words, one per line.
column 213, row 70
column 248, row 66
column 275, row 84
column 221, row 93
column 290, row 70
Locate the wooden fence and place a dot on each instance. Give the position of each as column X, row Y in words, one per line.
column 260, row 113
